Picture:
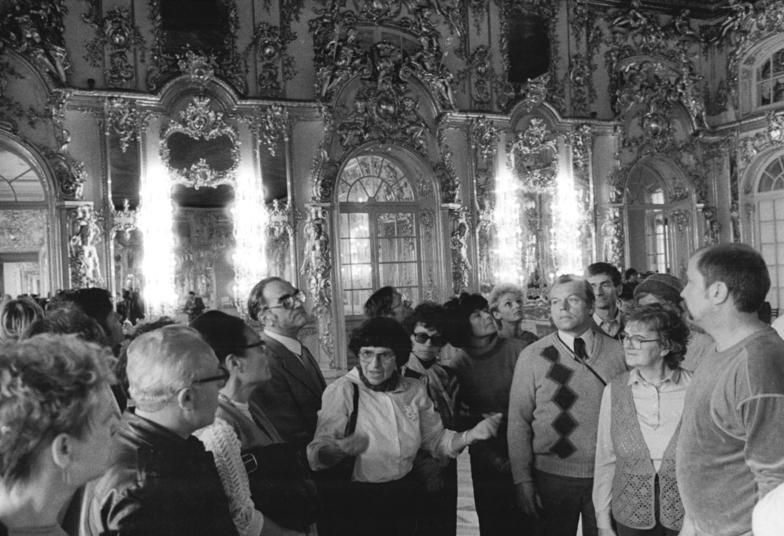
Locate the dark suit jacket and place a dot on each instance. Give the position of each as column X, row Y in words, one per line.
column 291, row 397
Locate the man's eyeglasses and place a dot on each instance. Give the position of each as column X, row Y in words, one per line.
column 436, row 340
column 222, row 376
column 289, row 301
column 367, row 356
column 635, row 341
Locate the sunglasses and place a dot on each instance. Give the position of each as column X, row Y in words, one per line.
column 289, row 301
column 436, row 340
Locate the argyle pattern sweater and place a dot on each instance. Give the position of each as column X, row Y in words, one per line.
column 554, row 406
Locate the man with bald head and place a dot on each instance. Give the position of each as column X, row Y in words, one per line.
column 164, row 482
column 291, row 397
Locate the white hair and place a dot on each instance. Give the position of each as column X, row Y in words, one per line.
column 163, row 362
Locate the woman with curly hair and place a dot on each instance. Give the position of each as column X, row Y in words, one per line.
column 378, row 420
column 639, row 419
column 57, row 417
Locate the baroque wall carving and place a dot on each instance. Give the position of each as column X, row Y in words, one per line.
column 532, row 157
column 270, row 125
column 167, row 64
column 317, row 267
column 116, row 41
column 36, row 31
column 274, row 65
column 84, row 235
column 124, row 119
column 22, row 230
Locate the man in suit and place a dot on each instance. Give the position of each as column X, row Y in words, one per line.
column 291, row 397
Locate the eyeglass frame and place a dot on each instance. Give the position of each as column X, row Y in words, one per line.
column 295, row 298
column 634, row 340
column 223, row 376
column 435, row 340
column 384, row 357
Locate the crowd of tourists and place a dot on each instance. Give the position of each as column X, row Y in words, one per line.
column 648, row 406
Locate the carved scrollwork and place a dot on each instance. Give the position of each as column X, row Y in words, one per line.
column 612, row 236
column 197, row 66
column 317, row 267
column 712, row 226
column 275, row 64
column 581, row 140
column 581, row 83
column 85, row 234
column 479, row 70
column 270, row 125
column 198, row 126
column 166, row 62
column 56, row 108
column 69, row 173
column 484, row 143
column 10, row 110
column 681, row 219
column 533, row 157
column 124, row 221
column 124, row 119
column 36, row 30
column 118, row 38
column 447, row 178
column 340, row 56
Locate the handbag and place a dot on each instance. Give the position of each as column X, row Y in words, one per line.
column 281, row 487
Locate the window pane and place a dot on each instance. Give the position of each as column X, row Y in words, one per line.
column 398, row 274
column 371, row 185
column 766, row 233
column 766, row 210
column 395, row 224
column 396, row 249
column 357, row 193
column 359, row 227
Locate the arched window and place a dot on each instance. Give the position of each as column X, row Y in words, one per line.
column 648, row 226
column 378, row 229
column 23, row 218
column 770, row 211
column 770, row 79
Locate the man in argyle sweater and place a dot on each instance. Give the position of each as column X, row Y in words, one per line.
column 554, row 410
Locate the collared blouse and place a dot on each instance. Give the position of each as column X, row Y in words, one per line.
column 398, row 423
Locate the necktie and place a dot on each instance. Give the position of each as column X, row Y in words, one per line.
column 579, row 348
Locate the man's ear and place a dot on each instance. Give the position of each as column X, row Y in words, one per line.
column 718, row 292
column 185, row 399
column 62, row 450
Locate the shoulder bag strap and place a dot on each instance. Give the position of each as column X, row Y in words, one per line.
column 351, row 425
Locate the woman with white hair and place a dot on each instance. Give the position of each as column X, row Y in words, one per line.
column 506, row 305
column 57, row 417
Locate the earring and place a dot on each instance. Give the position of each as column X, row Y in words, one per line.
column 66, row 477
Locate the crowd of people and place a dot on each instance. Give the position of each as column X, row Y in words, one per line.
column 647, row 407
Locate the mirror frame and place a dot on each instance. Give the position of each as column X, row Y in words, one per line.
column 199, row 122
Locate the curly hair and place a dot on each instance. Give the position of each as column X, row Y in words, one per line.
column 430, row 314
column 380, row 302
column 94, row 302
column 16, row 316
column 385, row 333
column 668, row 323
column 501, row 289
column 48, row 386
column 70, row 320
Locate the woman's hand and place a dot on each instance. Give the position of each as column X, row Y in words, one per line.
column 486, row 428
column 355, row 444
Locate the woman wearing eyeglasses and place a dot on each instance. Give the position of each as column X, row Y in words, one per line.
column 235, row 432
column 394, row 419
column 634, row 474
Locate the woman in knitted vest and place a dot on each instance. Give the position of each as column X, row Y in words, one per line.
column 634, row 475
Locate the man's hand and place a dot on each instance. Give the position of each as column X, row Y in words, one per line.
column 528, row 500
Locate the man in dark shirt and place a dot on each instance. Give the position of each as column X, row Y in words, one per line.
column 163, row 481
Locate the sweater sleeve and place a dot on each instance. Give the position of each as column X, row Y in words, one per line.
column 520, row 418
column 436, row 439
column 604, row 468
column 221, row 439
column 762, row 419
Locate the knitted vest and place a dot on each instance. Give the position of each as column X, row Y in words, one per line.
column 248, row 432
column 633, row 496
